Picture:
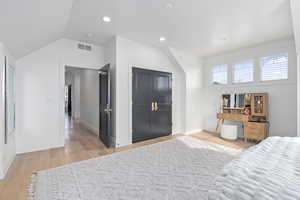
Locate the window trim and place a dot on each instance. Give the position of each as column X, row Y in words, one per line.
column 212, row 73
column 233, row 71
column 273, row 80
column 257, row 72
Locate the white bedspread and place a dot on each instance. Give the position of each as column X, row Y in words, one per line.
column 270, row 170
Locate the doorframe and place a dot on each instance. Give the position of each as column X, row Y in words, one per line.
column 61, row 108
column 158, row 69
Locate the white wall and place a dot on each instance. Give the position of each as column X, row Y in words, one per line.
column 132, row 54
column 192, row 66
column 295, row 7
column 7, row 151
column 89, row 99
column 40, row 92
column 282, row 94
column 298, row 95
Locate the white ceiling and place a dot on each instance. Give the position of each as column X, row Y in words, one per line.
column 26, row 25
column 195, row 25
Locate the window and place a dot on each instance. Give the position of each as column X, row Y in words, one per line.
column 243, row 72
column 219, row 74
column 274, row 67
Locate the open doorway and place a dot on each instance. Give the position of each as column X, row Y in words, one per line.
column 68, row 100
column 81, row 105
column 87, row 105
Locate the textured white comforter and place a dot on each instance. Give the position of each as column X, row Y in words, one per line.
column 270, row 170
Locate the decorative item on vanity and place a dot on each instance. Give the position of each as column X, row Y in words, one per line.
column 251, row 109
column 247, row 110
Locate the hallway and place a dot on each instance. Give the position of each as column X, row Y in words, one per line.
column 78, row 138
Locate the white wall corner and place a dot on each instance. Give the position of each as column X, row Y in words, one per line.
column 298, row 95
column 7, row 150
column 295, row 7
column 192, row 66
column 6, row 167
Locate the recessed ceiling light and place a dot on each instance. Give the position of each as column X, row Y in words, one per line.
column 162, row 39
column 169, row 5
column 106, row 19
column 224, row 38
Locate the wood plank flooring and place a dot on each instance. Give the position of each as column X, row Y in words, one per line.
column 81, row 144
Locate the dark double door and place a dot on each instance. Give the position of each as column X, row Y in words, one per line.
column 151, row 104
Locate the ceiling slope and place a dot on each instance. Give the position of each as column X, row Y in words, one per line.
column 205, row 27
column 30, row 24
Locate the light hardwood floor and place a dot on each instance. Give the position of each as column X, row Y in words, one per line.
column 81, row 144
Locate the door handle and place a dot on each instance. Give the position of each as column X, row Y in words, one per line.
column 152, row 107
column 156, row 106
column 107, row 109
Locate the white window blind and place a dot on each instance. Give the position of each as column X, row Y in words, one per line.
column 243, row 72
column 274, row 67
column 219, row 74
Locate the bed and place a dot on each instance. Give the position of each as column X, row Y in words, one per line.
column 269, row 170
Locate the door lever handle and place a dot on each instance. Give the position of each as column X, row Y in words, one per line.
column 107, row 109
column 152, row 107
column 156, row 106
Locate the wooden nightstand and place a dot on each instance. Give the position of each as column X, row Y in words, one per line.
column 256, row 130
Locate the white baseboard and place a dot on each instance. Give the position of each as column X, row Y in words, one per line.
column 5, row 170
column 89, row 127
column 59, row 145
column 193, row 131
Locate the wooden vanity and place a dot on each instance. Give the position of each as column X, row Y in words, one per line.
column 251, row 109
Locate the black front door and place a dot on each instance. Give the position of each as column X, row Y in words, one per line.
column 105, row 111
column 152, row 104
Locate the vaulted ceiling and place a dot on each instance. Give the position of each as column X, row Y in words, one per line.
column 27, row 25
column 202, row 26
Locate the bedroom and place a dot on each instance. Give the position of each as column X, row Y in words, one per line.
column 177, row 64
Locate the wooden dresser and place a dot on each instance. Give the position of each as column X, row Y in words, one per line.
column 255, row 130
column 253, row 114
